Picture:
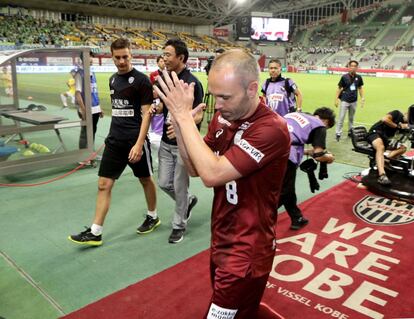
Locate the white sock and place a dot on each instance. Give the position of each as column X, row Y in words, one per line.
column 152, row 213
column 96, row 229
column 64, row 101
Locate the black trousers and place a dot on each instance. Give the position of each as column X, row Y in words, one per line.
column 82, row 137
column 288, row 196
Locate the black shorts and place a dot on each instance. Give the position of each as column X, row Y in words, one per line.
column 115, row 159
column 371, row 137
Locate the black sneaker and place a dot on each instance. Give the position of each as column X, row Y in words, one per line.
column 86, row 238
column 191, row 203
column 176, row 236
column 85, row 164
column 148, row 225
column 338, row 137
column 384, row 180
column 299, row 223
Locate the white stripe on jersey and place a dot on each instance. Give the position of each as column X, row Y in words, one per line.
column 147, row 155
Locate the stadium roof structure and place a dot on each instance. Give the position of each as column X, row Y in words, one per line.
column 198, row 12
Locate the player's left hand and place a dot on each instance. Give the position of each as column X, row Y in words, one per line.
column 135, row 153
column 177, row 95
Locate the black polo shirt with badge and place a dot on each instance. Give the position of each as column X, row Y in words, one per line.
column 350, row 85
column 187, row 77
column 129, row 92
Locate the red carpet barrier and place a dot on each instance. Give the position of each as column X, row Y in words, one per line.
column 354, row 260
column 182, row 291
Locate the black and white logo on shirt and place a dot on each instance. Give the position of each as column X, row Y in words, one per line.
column 253, row 152
column 131, row 79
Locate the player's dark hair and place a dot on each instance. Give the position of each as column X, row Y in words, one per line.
column 120, row 43
column 277, row 61
column 325, row 113
column 352, row 61
column 179, row 46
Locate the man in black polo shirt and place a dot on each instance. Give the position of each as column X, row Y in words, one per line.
column 379, row 136
column 173, row 177
column 347, row 92
column 126, row 143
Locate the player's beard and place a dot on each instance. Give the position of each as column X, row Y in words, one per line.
column 237, row 113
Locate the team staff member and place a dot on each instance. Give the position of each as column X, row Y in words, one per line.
column 173, row 177
column 347, row 92
column 379, row 137
column 126, row 143
column 282, row 94
column 304, row 129
column 242, row 163
column 96, row 110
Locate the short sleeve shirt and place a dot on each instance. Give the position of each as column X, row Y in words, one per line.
column 350, row 85
column 245, row 210
column 129, row 92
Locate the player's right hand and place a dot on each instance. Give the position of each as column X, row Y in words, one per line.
column 135, row 153
column 170, row 132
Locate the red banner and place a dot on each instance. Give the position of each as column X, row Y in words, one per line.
column 220, row 32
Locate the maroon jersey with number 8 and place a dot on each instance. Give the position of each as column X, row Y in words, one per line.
column 245, row 210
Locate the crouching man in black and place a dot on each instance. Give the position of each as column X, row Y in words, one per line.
column 379, row 137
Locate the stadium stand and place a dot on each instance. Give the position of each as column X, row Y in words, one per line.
column 401, row 62
column 384, row 15
column 391, row 37
column 409, row 11
column 362, row 18
column 26, row 29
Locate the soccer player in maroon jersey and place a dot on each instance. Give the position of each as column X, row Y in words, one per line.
column 244, row 157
